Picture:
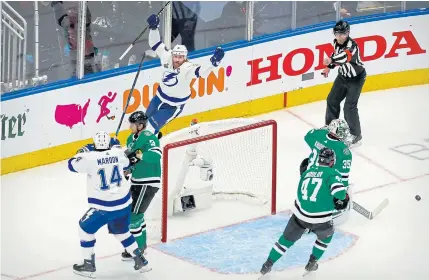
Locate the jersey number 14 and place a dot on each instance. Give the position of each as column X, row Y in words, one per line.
column 115, row 178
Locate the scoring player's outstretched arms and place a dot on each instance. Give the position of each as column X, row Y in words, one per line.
column 192, row 70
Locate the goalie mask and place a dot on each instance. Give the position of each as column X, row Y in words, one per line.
column 339, row 128
column 101, row 140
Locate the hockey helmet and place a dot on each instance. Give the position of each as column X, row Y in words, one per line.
column 138, row 117
column 180, row 50
column 339, row 128
column 341, row 27
column 101, row 140
column 326, row 157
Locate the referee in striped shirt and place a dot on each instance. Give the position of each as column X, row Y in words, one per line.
column 349, row 82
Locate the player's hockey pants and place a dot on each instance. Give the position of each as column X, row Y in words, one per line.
column 350, row 89
column 117, row 223
column 142, row 196
column 160, row 113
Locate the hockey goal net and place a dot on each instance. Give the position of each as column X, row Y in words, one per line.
column 241, row 157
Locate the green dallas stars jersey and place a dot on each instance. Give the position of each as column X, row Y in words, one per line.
column 316, row 191
column 318, row 139
column 148, row 170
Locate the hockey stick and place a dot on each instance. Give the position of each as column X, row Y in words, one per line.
column 131, row 93
column 368, row 214
column 141, row 34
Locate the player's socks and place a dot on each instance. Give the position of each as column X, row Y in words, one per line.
column 279, row 249
column 320, row 247
column 138, row 229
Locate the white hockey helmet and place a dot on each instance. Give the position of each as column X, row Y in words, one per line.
column 101, row 140
column 180, row 50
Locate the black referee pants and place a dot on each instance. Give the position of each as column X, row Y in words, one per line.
column 350, row 89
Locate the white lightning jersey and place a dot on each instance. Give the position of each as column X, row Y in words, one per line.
column 174, row 88
column 107, row 188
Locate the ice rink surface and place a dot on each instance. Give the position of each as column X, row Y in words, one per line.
column 41, row 207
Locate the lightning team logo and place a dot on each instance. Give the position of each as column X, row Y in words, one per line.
column 170, row 79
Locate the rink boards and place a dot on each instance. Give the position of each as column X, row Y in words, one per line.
column 49, row 123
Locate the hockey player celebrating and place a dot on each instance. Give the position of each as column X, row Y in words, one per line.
column 332, row 137
column 144, row 152
column 109, row 201
column 320, row 193
column 178, row 72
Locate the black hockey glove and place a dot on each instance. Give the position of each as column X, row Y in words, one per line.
column 341, row 204
column 134, row 156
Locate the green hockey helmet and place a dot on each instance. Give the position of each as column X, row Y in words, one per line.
column 339, row 128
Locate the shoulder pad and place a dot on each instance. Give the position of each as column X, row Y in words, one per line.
column 186, row 65
column 86, row 149
column 114, row 142
column 119, row 147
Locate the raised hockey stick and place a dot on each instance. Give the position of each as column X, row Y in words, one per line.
column 141, row 34
column 129, row 96
column 368, row 214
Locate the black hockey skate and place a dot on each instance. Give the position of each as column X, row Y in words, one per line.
column 312, row 265
column 140, row 263
column 266, row 267
column 127, row 257
column 86, row 269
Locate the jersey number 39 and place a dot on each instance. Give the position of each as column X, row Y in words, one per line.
column 115, row 178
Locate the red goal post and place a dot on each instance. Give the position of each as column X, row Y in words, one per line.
column 225, row 133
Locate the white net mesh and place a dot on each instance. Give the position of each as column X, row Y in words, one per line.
column 242, row 164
